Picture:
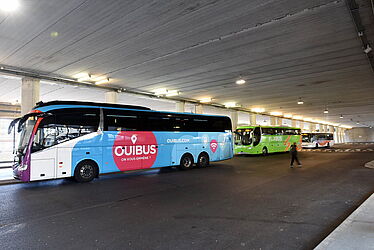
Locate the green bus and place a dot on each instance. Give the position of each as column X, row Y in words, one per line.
column 265, row 139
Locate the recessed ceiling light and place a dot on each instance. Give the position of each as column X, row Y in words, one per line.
column 9, row 5
column 298, row 117
column 341, row 117
column 300, row 101
column 240, row 81
column 288, row 115
column 326, row 111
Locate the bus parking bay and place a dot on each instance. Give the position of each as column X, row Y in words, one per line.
column 235, row 204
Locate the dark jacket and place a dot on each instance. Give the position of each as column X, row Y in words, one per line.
column 293, row 149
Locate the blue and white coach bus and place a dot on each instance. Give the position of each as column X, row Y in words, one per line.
column 84, row 139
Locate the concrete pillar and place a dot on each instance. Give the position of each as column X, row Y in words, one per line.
column 273, row 121
column 199, row 109
column 234, row 119
column 30, row 94
column 179, row 106
column 252, row 119
column 279, row 121
column 336, row 135
column 312, row 127
column 111, row 97
column 293, row 122
column 322, row 128
column 342, row 135
column 330, row 128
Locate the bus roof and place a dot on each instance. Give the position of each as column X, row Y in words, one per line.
column 52, row 105
column 254, row 126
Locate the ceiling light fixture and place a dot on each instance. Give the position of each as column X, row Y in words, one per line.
column 341, row 117
column 258, row 110
column 240, row 81
column 9, row 5
column 160, row 92
column 288, row 115
column 230, row 104
column 106, row 80
column 300, row 101
column 298, row 117
column 326, row 111
column 206, row 99
column 82, row 77
column 172, row 93
column 276, row 113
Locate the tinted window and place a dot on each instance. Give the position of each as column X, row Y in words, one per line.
column 122, row 120
column 268, row 131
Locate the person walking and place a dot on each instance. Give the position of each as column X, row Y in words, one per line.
column 294, row 157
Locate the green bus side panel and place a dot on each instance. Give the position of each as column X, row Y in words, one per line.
column 273, row 143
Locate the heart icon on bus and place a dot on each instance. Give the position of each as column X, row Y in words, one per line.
column 213, row 145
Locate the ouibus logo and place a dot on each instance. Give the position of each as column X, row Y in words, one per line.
column 135, row 150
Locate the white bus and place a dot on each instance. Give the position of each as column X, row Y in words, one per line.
column 317, row 140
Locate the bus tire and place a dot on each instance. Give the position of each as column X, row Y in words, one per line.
column 86, row 171
column 203, row 160
column 265, row 151
column 186, row 162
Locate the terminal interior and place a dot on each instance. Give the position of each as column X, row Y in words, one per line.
column 285, row 64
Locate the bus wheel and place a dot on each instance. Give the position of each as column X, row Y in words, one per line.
column 203, row 160
column 85, row 171
column 265, row 151
column 186, row 162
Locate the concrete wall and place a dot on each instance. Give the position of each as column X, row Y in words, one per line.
column 359, row 135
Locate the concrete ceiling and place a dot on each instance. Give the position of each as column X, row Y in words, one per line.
column 284, row 49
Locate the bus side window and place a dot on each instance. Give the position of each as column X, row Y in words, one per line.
column 121, row 120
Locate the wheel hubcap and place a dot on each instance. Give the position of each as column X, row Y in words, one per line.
column 186, row 162
column 86, row 171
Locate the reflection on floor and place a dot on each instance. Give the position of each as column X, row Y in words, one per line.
column 6, row 174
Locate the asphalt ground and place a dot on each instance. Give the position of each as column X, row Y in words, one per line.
column 249, row 202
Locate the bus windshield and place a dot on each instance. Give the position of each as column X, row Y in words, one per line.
column 243, row 136
column 306, row 137
column 26, row 131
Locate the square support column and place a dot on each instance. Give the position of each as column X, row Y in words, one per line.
column 273, row 120
column 30, row 94
column 234, row 119
column 199, row 109
column 312, row 127
column 252, row 119
column 293, row 122
column 179, row 107
column 111, row 97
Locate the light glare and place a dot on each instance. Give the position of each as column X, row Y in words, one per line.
column 9, row 5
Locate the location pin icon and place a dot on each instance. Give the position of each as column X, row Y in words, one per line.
column 134, row 139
